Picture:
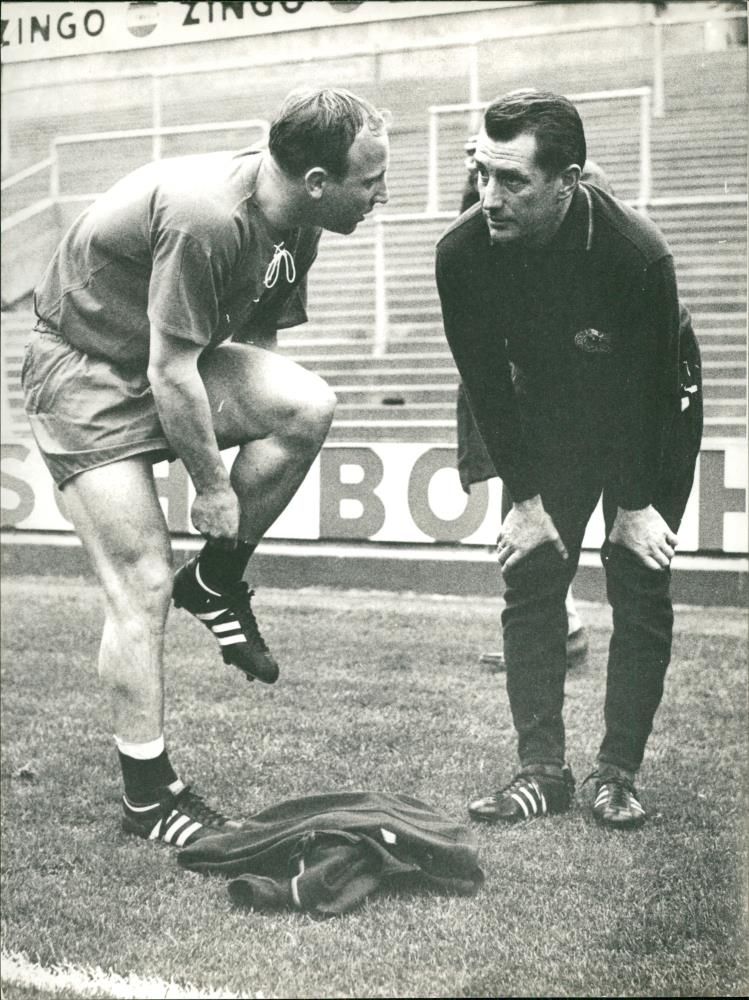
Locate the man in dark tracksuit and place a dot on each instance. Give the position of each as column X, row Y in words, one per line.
column 473, row 461
column 561, row 310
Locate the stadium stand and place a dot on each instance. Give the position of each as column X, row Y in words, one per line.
column 406, row 392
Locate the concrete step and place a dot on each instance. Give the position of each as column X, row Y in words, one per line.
column 444, row 431
column 411, row 432
column 406, row 412
column 430, row 410
column 727, row 353
column 426, row 298
column 419, row 273
column 697, row 300
column 344, row 311
column 305, row 350
column 736, row 339
column 432, row 329
column 724, row 409
column 730, row 288
column 368, row 390
column 722, row 354
column 376, row 372
column 375, row 395
column 311, row 348
column 298, row 346
column 716, row 388
column 718, row 427
column 432, row 376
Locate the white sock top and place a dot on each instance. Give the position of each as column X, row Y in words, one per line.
column 141, row 751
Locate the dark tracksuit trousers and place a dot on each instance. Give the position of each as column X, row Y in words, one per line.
column 535, row 620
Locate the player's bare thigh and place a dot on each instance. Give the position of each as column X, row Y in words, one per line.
column 254, row 393
column 116, row 512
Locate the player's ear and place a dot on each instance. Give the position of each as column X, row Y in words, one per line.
column 315, row 181
column 569, row 179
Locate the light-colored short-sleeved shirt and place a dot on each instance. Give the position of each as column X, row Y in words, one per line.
column 179, row 245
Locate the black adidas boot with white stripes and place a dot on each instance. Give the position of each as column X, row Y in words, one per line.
column 616, row 804
column 177, row 818
column 230, row 619
column 533, row 793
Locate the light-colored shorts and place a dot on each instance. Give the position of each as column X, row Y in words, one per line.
column 86, row 411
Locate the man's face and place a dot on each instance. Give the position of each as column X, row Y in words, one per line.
column 346, row 202
column 520, row 203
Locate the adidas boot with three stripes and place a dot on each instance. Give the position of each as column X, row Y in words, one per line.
column 532, row 793
column 230, row 619
column 616, row 804
column 178, row 818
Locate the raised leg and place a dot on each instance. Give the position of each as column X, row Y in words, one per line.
column 279, row 414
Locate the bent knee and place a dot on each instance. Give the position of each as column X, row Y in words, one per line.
column 629, row 582
column 540, row 572
column 309, row 417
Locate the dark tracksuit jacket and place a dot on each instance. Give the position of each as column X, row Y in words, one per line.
column 571, row 360
column 326, row 853
column 578, row 341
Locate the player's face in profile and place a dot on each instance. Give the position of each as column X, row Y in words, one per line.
column 520, row 203
column 347, row 201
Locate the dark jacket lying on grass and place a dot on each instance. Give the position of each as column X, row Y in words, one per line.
column 326, row 853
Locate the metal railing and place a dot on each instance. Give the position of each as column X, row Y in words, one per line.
column 52, row 163
column 381, row 326
column 658, row 24
column 469, row 43
column 643, row 94
column 24, row 175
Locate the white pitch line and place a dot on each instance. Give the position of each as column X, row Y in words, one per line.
column 18, row 970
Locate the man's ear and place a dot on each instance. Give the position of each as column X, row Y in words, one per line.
column 315, row 181
column 569, row 179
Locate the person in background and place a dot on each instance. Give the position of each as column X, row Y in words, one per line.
column 156, row 321
column 560, row 307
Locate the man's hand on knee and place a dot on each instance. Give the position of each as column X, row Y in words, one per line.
column 645, row 533
column 526, row 526
column 215, row 514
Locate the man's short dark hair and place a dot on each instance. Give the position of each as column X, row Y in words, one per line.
column 555, row 122
column 316, row 128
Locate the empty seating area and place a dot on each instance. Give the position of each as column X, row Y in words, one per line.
column 407, row 393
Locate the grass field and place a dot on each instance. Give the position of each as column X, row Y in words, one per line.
column 377, row 692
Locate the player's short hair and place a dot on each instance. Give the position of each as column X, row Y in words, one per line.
column 316, row 128
column 555, row 122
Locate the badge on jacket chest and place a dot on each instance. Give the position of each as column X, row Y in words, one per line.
column 594, row 341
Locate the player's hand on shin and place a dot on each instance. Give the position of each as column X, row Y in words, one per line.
column 526, row 526
column 645, row 533
column 215, row 514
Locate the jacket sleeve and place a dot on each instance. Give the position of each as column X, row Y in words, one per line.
column 478, row 347
column 648, row 398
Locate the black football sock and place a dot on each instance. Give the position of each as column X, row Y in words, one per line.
column 145, row 778
column 220, row 567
